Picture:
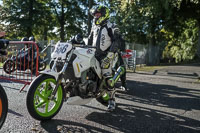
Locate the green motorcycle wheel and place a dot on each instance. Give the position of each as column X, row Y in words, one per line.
column 39, row 103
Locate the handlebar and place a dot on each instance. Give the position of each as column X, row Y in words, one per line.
column 84, row 46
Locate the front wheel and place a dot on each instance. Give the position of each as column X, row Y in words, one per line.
column 39, row 102
column 3, row 106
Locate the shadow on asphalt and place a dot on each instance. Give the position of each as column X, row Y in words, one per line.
column 130, row 118
column 57, row 126
column 163, row 95
column 14, row 113
column 143, row 120
column 172, row 74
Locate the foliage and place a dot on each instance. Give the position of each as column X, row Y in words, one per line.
column 149, row 22
column 42, row 18
column 183, row 47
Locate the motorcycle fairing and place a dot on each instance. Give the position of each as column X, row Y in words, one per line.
column 85, row 59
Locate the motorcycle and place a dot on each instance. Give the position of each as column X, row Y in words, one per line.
column 3, row 96
column 25, row 59
column 75, row 77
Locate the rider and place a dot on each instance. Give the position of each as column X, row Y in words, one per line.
column 104, row 35
column 3, row 43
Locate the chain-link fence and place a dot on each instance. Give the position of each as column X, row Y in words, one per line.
column 145, row 54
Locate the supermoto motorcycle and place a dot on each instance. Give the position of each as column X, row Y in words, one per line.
column 75, row 77
column 25, row 59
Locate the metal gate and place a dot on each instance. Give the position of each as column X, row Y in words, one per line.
column 21, row 62
column 130, row 59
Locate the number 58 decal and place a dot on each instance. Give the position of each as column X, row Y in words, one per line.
column 61, row 49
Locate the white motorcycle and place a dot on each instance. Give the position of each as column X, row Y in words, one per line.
column 75, row 77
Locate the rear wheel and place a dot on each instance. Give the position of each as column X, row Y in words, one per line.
column 39, row 103
column 103, row 102
column 9, row 66
column 3, row 106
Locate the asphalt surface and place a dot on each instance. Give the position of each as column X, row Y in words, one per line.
column 161, row 101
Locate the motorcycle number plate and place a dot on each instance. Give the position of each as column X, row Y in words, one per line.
column 61, row 50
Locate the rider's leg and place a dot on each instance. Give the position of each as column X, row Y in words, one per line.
column 106, row 65
column 123, row 76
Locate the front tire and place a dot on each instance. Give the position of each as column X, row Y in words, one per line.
column 38, row 101
column 3, row 106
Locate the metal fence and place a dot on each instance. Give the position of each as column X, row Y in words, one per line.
column 21, row 63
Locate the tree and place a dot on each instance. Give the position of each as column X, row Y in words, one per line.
column 90, row 4
column 21, row 18
column 142, row 21
column 184, row 26
column 69, row 15
column 182, row 47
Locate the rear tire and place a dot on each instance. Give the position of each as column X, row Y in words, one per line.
column 38, row 100
column 3, row 106
column 9, row 66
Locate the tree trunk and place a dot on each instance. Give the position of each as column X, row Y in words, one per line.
column 30, row 19
column 90, row 4
column 151, row 51
column 198, row 45
column 62, row 23
column 153, row 56
column 45, row 33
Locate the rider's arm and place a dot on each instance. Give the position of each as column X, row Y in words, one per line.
column 116, row 39
column 90, row 38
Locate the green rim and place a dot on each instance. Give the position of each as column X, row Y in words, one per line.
column 43, row 106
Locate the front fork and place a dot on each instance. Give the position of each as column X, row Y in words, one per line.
column 61, row 74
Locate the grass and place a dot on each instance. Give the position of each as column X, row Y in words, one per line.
column 1, row 64
column 149, row 68
column 146, row 68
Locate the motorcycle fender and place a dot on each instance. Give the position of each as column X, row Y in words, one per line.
column 50, row 72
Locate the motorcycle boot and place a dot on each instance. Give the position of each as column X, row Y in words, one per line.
column 111, row 105
column 111, row 102
column 123, row 86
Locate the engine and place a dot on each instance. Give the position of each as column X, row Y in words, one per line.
column 88, row 85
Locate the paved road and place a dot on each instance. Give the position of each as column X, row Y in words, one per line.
column 163, row 101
